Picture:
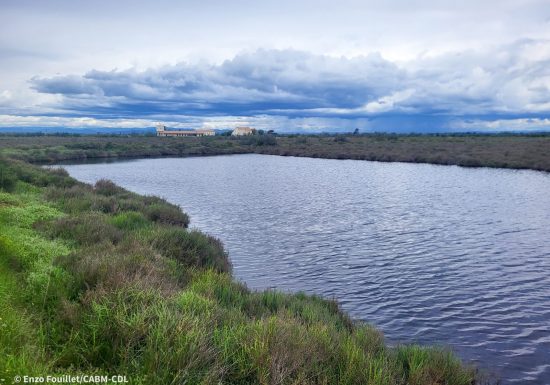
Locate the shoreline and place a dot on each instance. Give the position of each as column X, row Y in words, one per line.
column 516, row 152
column 102, row 246
column 114, row 159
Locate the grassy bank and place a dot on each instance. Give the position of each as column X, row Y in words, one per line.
column 99, row 280
column 505, row 151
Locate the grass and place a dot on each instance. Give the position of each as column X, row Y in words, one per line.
column 92, row 282
column 25, row 270
column 516, row 151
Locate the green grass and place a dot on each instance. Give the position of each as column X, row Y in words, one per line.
column 130, row 220
column 92, row 282
column 26, row 275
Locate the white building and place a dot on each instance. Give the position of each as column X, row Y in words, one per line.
column 162, row 131
column 240, row 131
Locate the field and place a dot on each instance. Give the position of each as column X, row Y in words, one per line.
column 99, row 280
column 505, row 151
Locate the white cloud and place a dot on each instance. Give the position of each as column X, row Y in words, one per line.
column 5, row 96
column 502, row 125
column 390, row 102
column 280, row 123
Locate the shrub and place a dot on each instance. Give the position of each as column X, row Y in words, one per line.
column 192, row 249
column 266, row 140
column 86, row 229
column 75, row 199
column 129, row 220
column 59, row 171
column 8, row 179
column 340, row 139
column 130, row 204
column 107, row 187
column 108, row 267
column 166, row 213
column 9, row 253
column 258, row 140
column 105, row 204
column 39, row 176
column 80, row 198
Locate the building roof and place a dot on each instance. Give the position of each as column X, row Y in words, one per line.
column 200, row 131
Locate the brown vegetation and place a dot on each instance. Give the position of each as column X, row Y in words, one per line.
column 505, row 151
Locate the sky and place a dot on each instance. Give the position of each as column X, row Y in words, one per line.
column 291, row 66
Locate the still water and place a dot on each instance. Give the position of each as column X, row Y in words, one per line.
column 429, row 254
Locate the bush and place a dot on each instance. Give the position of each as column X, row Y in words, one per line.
column 110, row 267
column 59, row 171
column 107, row 187
column 130, row 204
column 130, row 220
column 105, row 204
column 192, row 249
column 258, row 140
column 340, row 139
column 166, row 213
column 8, row 179
column 75, row 199
column 86, row 229
column 82, row 197
column 39, row 176
column 8, row 252
column 266, row 140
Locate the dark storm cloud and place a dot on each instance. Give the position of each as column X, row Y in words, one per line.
column 258, row 82
column 301, row 84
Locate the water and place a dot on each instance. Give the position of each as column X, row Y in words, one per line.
column 429, row 254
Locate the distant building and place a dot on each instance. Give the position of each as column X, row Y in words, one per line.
column 162, row 131
column 240, row 131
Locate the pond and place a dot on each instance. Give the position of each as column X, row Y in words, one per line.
column 429, row 254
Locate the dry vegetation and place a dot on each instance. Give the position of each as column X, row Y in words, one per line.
column 506, row 151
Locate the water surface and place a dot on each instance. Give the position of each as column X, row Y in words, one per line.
column 429, row 254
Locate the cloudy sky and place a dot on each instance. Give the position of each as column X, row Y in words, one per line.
column 288, row 65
